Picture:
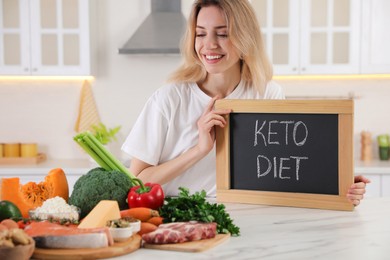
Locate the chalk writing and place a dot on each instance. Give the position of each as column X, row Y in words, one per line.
column 269, row 135
column 282, row 166
column 284, row 152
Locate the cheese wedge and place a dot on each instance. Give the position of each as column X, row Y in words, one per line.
column 105, row 210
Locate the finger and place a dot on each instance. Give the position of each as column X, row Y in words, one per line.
column 213, row 122
column 355, row 201
column 214, row 116
column 210, row 105
column 358, row 185
column 222, row 111
column 220, row 118
column 355, row 196
column 357, row 191
column 361, row 178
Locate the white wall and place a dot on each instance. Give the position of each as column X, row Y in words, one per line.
column 45, row 111
column 371, row 102
column 42, row 112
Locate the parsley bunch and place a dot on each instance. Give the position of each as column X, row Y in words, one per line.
column 194, row 207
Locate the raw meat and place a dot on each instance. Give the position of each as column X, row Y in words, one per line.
column 180, row 232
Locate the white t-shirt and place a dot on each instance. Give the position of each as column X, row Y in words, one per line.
column 167, row 127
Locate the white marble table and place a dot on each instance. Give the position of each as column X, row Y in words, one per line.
column 270, row 232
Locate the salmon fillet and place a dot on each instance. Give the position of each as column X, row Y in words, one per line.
column 46, row 232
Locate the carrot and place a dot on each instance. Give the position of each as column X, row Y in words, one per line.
column 141, row 213
column 156, row 220
column 146, row 227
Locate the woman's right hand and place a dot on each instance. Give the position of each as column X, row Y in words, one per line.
column 167, row 171
column 206, row 126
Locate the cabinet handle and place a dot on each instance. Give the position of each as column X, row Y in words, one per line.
column 303, row 69
column 25, row 69
column 294, row 69
column 34, row 69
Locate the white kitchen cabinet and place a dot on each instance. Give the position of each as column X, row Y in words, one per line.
column 311, row 36
column 379, row 186
column 44, row 37
column 279, row 21
column 385, row 185
column 374, row 188
column 379, row 174
column 375, row 36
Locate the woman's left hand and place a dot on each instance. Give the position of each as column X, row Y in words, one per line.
column 357, row 190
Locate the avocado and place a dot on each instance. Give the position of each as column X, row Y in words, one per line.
column 9, row 210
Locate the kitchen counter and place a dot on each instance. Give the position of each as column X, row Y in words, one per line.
column 270, row 232
column 70, row 166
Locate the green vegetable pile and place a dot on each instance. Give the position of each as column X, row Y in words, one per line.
column 188, row 207
column 100, row 184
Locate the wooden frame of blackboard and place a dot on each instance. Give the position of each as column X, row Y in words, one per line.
column 344, row 110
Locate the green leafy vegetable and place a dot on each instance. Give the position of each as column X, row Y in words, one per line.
column 104, row 134
column 188, row 207
column 100, row 184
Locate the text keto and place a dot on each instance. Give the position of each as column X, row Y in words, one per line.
column 266, row 133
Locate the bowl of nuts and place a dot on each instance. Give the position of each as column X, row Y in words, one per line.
column 15, row 244
column 123, row 228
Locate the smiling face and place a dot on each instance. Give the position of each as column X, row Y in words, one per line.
column 212, row 43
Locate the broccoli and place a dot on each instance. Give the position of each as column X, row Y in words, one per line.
column 99, row 184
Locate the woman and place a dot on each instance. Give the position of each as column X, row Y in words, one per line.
column 173, row 140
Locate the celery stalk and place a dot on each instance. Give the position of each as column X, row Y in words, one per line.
column 91, row 153
column 118, row 165
column 100, row 154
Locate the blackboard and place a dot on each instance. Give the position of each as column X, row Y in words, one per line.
column 284, row 152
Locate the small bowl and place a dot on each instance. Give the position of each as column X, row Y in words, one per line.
column 19, row 252
column 136, row 225
column 72, row 216
column 121, row 234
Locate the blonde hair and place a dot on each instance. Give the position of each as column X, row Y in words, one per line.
column 245, row 35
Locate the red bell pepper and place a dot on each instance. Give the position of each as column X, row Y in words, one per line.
column 23, row 223
column 149, row 195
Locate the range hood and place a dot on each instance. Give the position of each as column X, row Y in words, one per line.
column 161, row 31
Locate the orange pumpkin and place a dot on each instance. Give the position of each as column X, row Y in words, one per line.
column 31, row 194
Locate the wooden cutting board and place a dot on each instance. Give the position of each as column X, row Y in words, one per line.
column 119, row 248
column 194, row 246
